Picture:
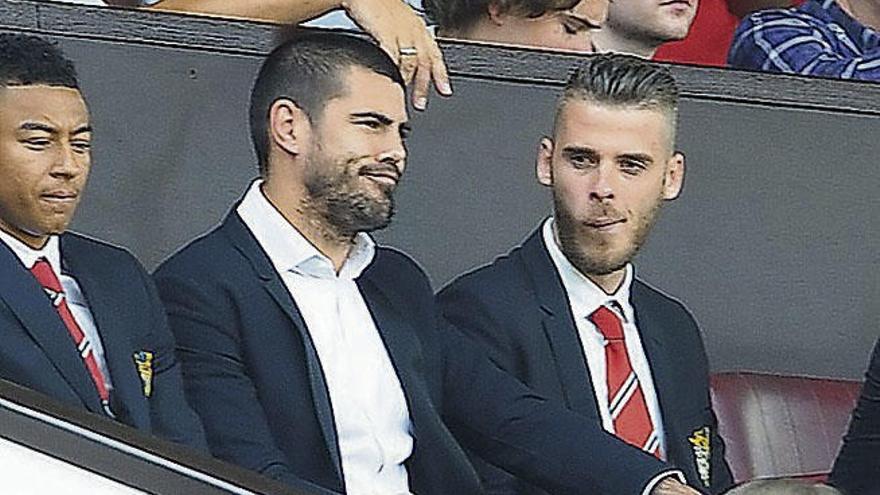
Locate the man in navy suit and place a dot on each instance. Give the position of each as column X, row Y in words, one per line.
column 857, row 468
column 80, row 320
column 310, row 351
column 564, row 312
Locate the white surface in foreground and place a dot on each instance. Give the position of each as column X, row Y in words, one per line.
column 28, row 472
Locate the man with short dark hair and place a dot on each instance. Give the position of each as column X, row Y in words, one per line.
column 564, row 312
column 553, row 24
column 80, row 319
column 640, row 27
column 310, row 351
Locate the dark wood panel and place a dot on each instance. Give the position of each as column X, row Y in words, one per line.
column 465, row 59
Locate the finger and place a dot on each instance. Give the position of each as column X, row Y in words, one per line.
column 409, row 60
column 439, row 72
column 390, row 47
column 422, row 84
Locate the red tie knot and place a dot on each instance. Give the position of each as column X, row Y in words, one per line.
column 608, row 323
column 45, row 275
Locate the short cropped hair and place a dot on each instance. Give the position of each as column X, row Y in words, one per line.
column 782, row 487
column 461, row 15
column 623, row 80
column 30, row 61
column 614, row 79
column 308, row 69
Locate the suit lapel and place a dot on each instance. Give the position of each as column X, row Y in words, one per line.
column 401, row 343
column 105, row 294
column 655, row 341
column 558, row 326
column 24, row 296
column 248, row 246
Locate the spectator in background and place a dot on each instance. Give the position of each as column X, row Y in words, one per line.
column 639, row 27
column 819, row 38
column 556, row 24
column 782, row 487
column 393, row 23
column 857, row 468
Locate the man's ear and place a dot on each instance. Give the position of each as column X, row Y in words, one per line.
column 674, row 180
column 288, row 126
column 544, row 162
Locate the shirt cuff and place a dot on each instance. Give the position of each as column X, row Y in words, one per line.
column 660, row 477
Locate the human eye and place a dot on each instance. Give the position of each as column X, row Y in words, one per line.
column 36, row 143
column 582, row 160
column 632, row 167
column 81, row 145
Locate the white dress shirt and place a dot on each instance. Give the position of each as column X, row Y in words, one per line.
column 76, row 299
column 370, row 413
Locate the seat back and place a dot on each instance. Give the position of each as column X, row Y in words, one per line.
column 781, row 426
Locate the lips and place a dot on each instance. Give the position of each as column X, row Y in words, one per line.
column 388, row 175
column 60, row 196
column 604, row 223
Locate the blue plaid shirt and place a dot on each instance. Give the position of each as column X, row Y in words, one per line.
column 818, row 38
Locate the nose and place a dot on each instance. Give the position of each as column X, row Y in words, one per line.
column 601, row 188
column 394, row 154
column 69, row 162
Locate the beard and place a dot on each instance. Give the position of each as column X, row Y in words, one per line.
column 336, row 192
column 592, row 253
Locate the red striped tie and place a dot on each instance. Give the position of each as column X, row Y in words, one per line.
column 44, row 274
column 626, row 402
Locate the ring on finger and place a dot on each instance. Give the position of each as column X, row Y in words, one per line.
column 408, row 51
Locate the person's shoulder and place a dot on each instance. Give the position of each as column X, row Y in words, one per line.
column 393, row 263
column 81, row 244
column 645, row 293
column 207, row 254
column 506, row 271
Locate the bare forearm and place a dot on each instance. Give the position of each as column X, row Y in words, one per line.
column 281, row 11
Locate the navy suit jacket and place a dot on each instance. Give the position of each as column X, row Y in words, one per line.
column 38, row 352
column 857, row 468
column 517, row 307
column 253, row 375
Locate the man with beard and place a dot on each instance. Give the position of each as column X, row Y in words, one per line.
column 309, row 351
column 80, row 320
column 639, row 27
column 564, row 312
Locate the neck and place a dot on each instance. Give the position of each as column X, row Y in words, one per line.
column 299, row 212
column 607, row 40
column 609, row 283
column 866, row 12
column 32, row 241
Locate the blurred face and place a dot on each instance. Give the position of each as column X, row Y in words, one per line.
column 45, row 142
column 356, row 155
column 651, row 22
column 561, row 30
column 610, row 169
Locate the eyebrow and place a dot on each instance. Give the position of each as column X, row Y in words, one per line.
column 37, row 126
column 572, row 148
column 405, row 127
column 641, row 157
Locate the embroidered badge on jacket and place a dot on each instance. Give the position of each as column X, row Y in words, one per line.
column 699, row 440
column 144, row 361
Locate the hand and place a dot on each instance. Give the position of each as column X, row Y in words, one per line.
column 403, row 35
column 671, row 486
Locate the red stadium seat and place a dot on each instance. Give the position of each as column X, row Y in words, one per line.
column 781, row 426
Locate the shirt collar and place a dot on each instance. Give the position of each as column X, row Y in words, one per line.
column 286, row 247
column 831, row 12
column 584, row 295
column 29, row 256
